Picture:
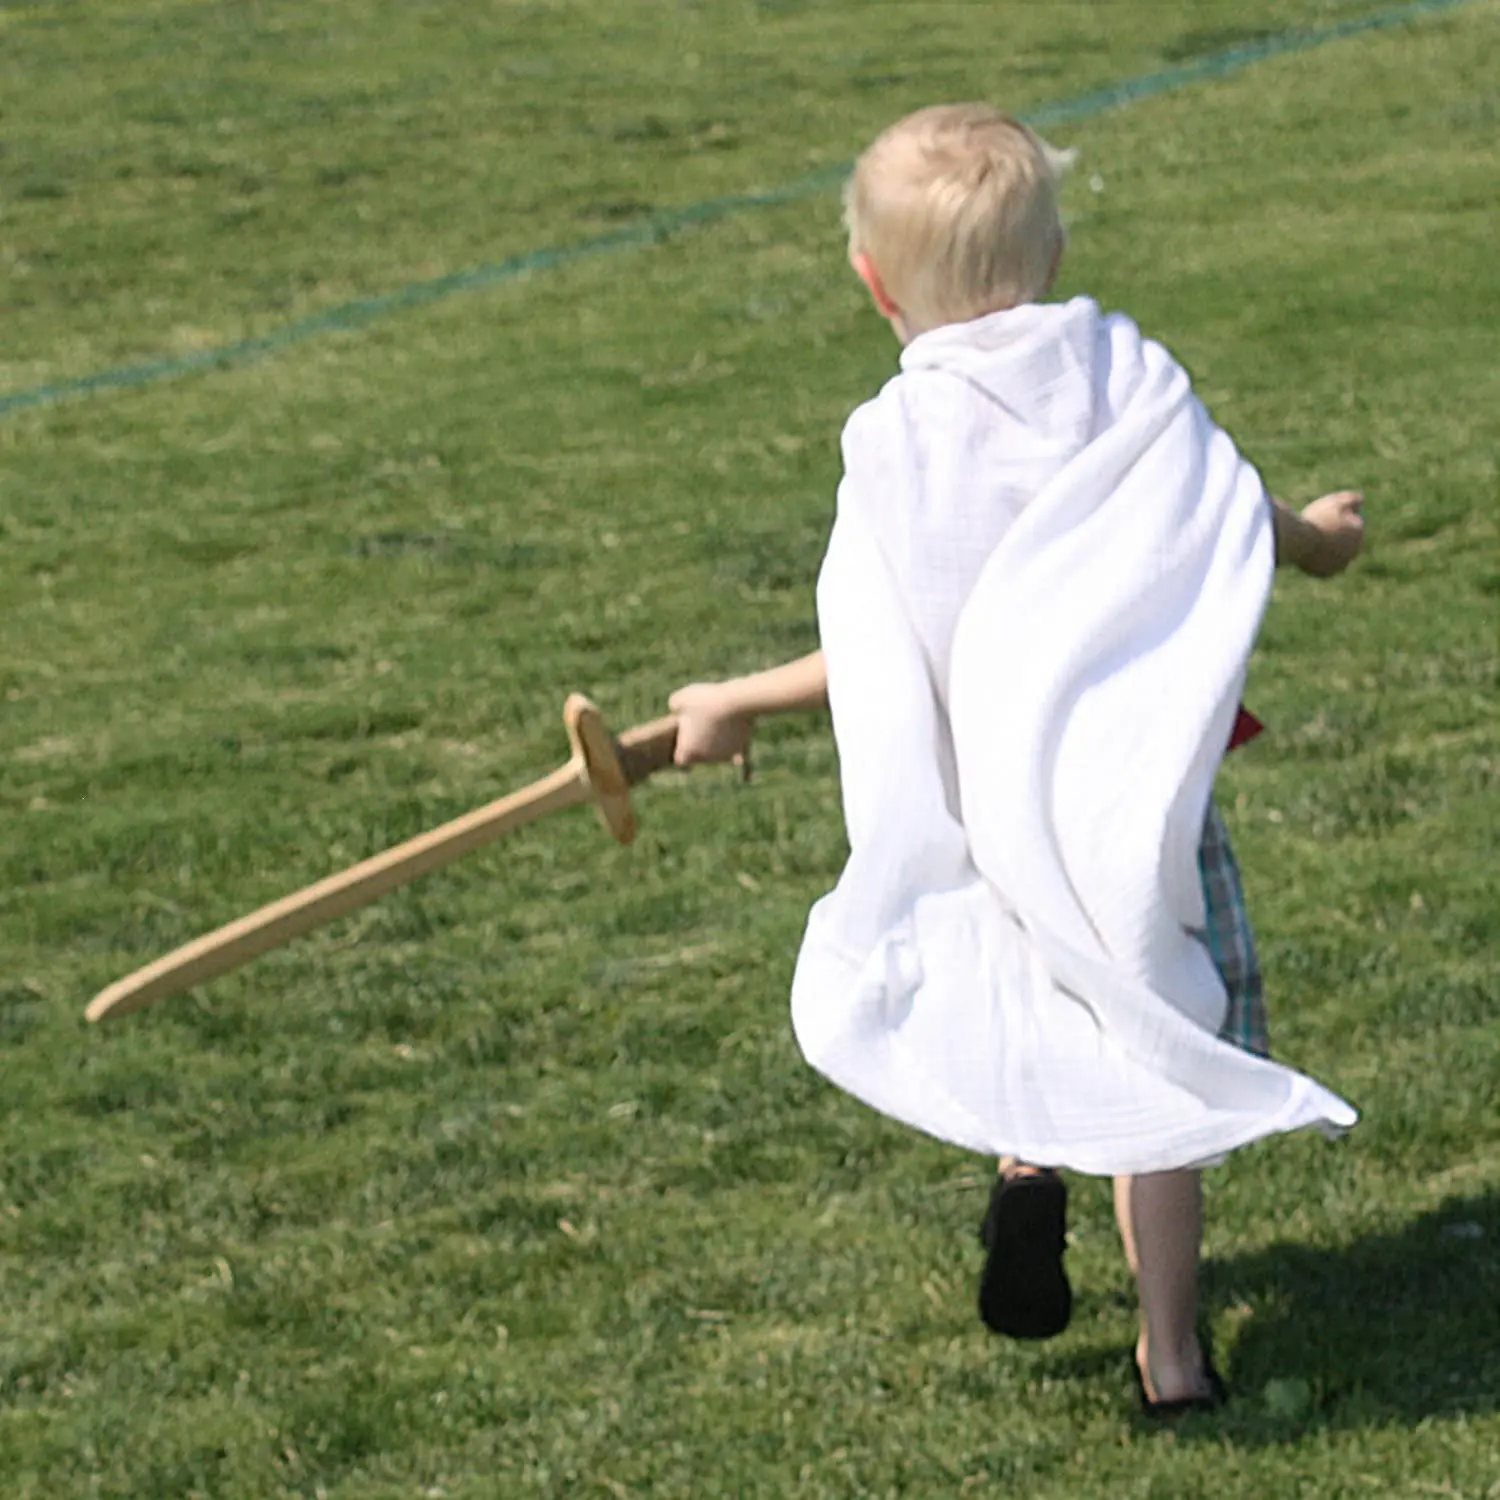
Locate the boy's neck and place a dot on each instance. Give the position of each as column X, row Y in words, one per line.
column 906, row 332
column 901, row 325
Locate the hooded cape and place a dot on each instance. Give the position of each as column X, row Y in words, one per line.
column 1044, row 580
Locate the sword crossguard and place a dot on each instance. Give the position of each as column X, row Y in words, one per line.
column 609, row 767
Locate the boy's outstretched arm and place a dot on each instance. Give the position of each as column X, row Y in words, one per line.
column 716, row 719
column 1323, row 538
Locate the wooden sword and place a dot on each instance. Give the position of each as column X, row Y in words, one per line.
column 602, row 771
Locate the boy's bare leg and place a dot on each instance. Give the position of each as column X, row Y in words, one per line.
column 1161, row 1224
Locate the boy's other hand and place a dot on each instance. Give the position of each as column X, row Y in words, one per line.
column 1322, row 538
column 709, row 727
column 1339, row 523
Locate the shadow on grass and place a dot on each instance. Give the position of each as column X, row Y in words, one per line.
column 1396, row 1328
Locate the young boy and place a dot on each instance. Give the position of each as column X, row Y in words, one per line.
column 1040, row 593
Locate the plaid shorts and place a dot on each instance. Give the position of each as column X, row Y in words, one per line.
column 1230, row 941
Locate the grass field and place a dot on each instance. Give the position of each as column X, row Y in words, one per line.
column 514, row 1184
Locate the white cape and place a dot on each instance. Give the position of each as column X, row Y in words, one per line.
column 1043, row 584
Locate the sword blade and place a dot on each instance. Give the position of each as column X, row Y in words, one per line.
column 600, row 771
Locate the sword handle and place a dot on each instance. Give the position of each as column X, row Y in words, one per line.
column 647, row 749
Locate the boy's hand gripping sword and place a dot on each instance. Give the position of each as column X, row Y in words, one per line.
column 602, row 771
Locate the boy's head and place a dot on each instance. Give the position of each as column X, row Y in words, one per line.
column 952, row 213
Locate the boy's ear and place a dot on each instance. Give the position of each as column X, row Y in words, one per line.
column 865, row 269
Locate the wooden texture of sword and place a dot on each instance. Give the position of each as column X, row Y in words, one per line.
column 602, row 770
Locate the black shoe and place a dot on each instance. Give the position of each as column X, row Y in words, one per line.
column 1023, row 1289
column 1165, row 1411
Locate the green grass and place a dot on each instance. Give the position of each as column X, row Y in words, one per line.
column 514, row 1184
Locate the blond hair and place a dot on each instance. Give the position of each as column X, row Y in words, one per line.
column 956, row 205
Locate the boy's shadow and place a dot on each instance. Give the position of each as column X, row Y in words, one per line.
column 1398, row 1327
column 1394, row 1328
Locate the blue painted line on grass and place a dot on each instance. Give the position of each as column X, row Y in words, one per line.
column 1221, row 64
column 657, row 227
